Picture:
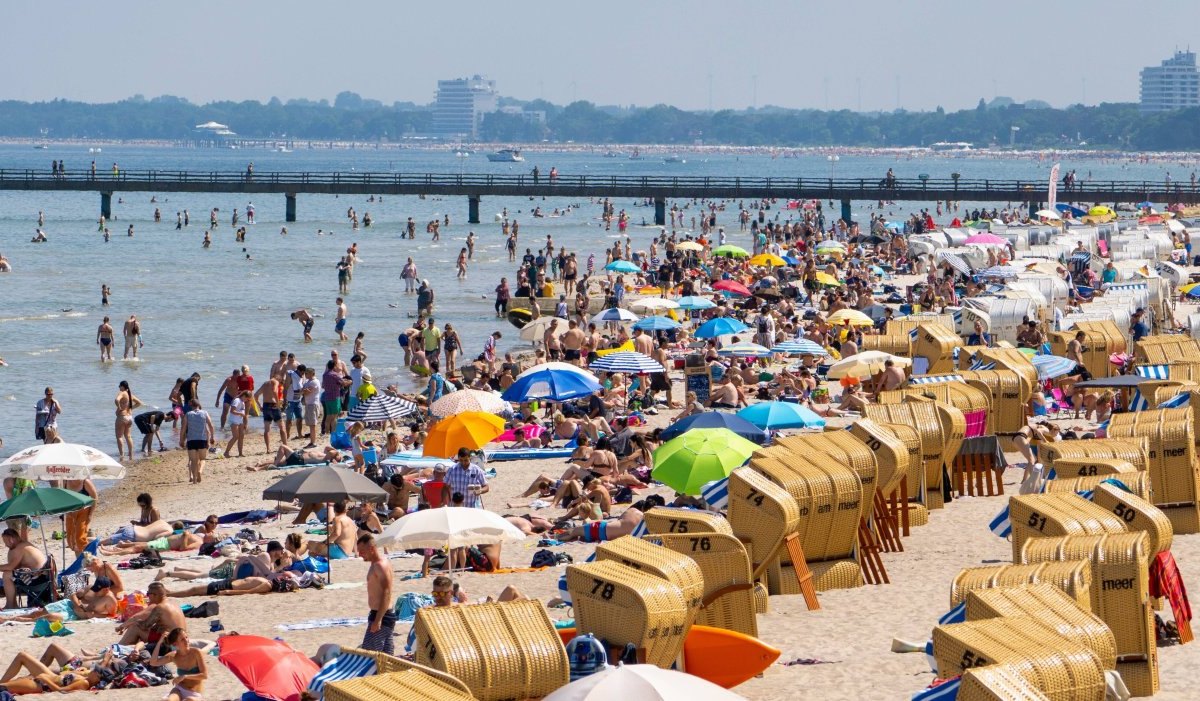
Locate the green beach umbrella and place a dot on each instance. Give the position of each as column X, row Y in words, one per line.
column 698, row 457
column 44, row 501
column 731, row 251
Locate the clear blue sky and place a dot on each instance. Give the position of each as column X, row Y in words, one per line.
column 873, row 54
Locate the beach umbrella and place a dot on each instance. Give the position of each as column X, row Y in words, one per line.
column 732, row 287
column 800, row 346
column 45, row 501
column 629, row 362
column 688, row 246
column 864, row 364
column 767, row 259
column 653, row 304
column 58, row 461
column 380, row 408
column 830, row 246
column 716, row 419
column 1187, row 289
column 1004, row 272
column 692, row 303
column 552, row 383
column 323, row 484
column 745, row 349
column 1069, row 209
column 1050, row 367
column 719, row 326
column 698, row 457
column 643, row 682
column 471, row 430
column 623, row 266
column 828, row 280
column 730, row 251
column 271, row 669
column 555, row 365
column 1048, row 214
column 791, row 260
column 657, row 323
column 1101, row 211
column 449, row 527
column 855, row 317
column 776, row 415
column 614, row 315
column 536, row 329
column 986, row 239
column 470, row 400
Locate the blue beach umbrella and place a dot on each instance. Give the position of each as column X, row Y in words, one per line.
column 1050, row 367
column 720, row 326
column 657, row 323
column 716, row 419
column 776, row 415
column 800, row 346
column 551, row 383
column 623, row 266
column 692, row 302
column 628, row 362
column 791, row 260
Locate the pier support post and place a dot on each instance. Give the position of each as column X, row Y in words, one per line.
column 106, row 205
column 846, row 213
column 660, row 211
column 289, row 214
column 473, row 209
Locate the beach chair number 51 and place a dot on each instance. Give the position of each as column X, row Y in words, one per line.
column 755, row 496
column 603, row 588
column 1037, row 521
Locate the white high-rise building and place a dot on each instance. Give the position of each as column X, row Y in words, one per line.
column 461, row 104
column 1174, row 85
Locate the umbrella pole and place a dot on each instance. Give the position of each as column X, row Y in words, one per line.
column 328, row 545
column 62, row 521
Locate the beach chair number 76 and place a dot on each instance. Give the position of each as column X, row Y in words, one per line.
column 701, row 544
column 755, row 497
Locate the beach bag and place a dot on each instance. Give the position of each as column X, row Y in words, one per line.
column 407, row 605
column 477, row 561
column 45, row 628
column 340, row 440
column 312, row 563
column 74, row 583
column 586, row 655
column 543, row 558
column 208, row 608
column 129, row 605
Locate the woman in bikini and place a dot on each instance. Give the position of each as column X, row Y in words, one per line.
column 126, row 403
column 191, row 669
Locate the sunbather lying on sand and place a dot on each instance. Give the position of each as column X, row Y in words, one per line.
column 287, row 457
column 179, row 541
column 599, row 531
column 278, row 583
column 139, row 534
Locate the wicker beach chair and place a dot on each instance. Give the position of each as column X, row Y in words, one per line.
column 398, row 680
column 891, row 460
column 1138, row 515
column 1165, row 348
column 499, row 651
column 761, row 513
column 1133, row 451
column 998, row 682
column 924, row 417
column 1060, row 667
column 1172, row 458
column 1009, row 393
column 1136, row 482
column 1074, row 578
column 728, row 600
column 622, row 605
column 912, row 483
column 1091, row 467
column 665, row 519
column 1048, row 607
column 677, row 568
column 936, row 343
column 1120, row 596
column 1101, row 340
column 1051, row 515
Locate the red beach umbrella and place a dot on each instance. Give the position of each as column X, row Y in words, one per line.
column 732, row 287
column 270, row 668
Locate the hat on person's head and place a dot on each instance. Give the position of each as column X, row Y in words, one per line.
column 101, row 584
column 366, row 376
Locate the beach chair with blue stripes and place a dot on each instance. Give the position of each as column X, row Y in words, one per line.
column 349, row 664
column 393, row 679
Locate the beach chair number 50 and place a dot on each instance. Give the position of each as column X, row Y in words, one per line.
column 603, row 588
column 1037, row 521
column 755, row 496
column 1125, row 513
column 701, row 544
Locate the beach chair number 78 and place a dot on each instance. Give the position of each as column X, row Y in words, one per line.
column 605, row 589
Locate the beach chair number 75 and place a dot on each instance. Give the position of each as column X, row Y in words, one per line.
column 605, row 589
column 678, row 526
column 755, row 497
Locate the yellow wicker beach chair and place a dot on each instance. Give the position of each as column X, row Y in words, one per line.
column 761, row 513
column 936, row 343
column 1074, row 578
column 677, row 568
column 1138, row 515
column 728, row 598
column 1009, row 397
column 891, row 459
column 1091, row 467
column 1050, row 515
column 1133, row 451
column 1050, row 608
column 663, row 519
column 398, row 680
column 937, row 448
column 998, row 682
column 1172, row 460
column 912, row 484
column 499, row 650
column 622, row 605
column 1137, row 482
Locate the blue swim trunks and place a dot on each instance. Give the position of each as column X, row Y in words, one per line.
column 336, row 553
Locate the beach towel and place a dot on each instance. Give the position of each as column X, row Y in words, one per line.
column 323, row 623
column 945, row 690
column 344, row 666
column 716, row 493
column 1165, row 581
column 407, row 605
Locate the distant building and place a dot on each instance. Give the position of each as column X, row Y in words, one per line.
column 461, row 104
column 1174, row 85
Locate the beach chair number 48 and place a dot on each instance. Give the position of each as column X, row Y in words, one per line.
column 1037, row 521
column 755, row 496
column 603, row 588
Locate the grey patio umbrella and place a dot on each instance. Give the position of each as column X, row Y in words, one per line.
column 325, row 484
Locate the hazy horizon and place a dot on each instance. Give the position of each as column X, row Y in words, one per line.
column 867, row 56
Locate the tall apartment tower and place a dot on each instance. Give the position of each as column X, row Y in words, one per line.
column 1174, row 85
column 461, row 104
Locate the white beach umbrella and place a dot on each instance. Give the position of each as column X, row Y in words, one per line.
column 1048, row 214
column 556, row 365
column 644, row 682
column 614, row 315
column 536, row 329
column 654, row 304
column 57, row 461
column 470, row 400
column 451, row 526
column 864, row 364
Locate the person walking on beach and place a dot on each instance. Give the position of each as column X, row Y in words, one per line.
column 381, row 619
column 197, row 435
column 471, row 245
column 339, row 324
column 104, row 338
column 126, row 403
column 133, row 337
column 310, row 396
column 225, row 394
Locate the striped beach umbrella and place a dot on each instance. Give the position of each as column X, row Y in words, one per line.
column 381, row 407
column 470, row 400
column 800, row 346
column 745, row 349
column 1050, row 367
column 615, row 315
column 629, row 362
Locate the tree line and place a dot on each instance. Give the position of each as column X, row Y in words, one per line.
column 349, row 117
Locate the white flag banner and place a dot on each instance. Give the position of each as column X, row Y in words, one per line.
column 1052, row 199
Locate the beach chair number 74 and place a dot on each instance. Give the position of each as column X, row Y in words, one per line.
column 755, row 497
column 605, row 589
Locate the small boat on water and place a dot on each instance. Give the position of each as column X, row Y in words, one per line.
column 507, row 155
column 674, row 158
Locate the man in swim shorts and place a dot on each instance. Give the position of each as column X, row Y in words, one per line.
column 339, row 324
column 277, row 583
column 306, row 320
